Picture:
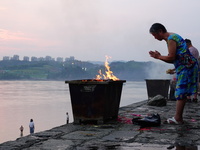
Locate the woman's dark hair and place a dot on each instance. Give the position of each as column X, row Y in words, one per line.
column 156, row 27
column 31, row 120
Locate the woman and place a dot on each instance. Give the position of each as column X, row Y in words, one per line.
column 185, row 64
column 31, row 126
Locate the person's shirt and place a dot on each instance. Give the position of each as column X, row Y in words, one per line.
column 31, row 124
column 184, row 58
column 194, row 52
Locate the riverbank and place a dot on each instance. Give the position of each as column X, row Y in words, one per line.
column 122, row 135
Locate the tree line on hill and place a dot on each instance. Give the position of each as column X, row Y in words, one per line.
column 72, row 70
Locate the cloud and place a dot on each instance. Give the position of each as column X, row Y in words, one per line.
column 91, row 29
column 9, row 35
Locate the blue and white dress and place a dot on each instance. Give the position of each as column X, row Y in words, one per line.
column 186, row 69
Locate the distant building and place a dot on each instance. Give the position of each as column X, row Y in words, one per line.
column 33, row 58
column 71, row 58
column 15, row 57
column 6, row 58
column 66, row 59
column 59, row 59
column 41, row 59
column 26, row 58
column 48, row 58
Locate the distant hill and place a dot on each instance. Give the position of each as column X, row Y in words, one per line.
column 97, row 62
column 72, row 70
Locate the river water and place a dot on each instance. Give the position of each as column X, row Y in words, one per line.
column 46, row 102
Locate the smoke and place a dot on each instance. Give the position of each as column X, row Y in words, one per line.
column 158, row 70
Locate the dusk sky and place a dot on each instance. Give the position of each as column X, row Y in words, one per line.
column 91, row 29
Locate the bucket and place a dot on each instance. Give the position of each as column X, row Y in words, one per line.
column 95, row 101
column 157, row 87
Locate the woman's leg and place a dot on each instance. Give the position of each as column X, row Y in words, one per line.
column 180, row 104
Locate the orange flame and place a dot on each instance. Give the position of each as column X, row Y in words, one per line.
column 108, row 73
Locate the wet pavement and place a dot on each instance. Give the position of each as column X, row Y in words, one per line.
column 120, row 135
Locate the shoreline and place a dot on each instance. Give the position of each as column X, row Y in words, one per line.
column 122, row 134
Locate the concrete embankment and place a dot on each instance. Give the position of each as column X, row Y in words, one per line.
column 121, row 135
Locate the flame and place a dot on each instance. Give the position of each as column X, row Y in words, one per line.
column 108, row 73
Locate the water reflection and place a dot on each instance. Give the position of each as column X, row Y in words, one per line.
column 138, row 146
column 186, row 138
column 178, row 147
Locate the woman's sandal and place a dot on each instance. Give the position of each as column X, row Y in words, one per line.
column 173, row 121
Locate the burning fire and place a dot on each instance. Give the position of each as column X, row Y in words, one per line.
column 108, row 73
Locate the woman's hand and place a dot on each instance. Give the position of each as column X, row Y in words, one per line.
column 154, row 54
column 171, row 71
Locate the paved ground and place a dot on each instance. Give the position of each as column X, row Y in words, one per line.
column 122, row 135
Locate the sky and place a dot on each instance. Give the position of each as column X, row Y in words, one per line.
column 91, row 29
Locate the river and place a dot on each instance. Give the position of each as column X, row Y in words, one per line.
column 46, row 102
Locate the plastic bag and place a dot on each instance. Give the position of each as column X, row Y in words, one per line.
column 152, row 120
